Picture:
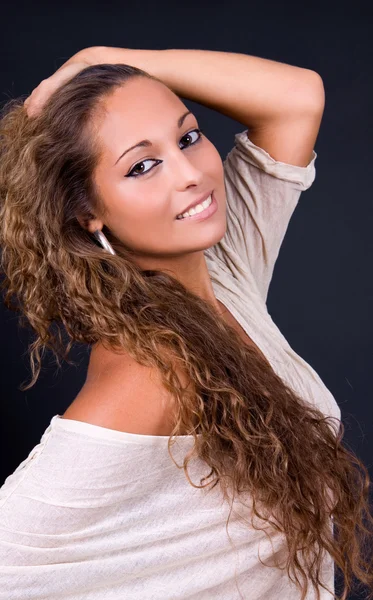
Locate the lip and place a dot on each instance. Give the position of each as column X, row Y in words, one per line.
column 204, row 214
column 192, row 204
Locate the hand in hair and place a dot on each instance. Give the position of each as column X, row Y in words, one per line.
column 147, row 60
column 39, row 96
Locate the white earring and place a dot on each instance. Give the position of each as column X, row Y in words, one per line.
column 103, row 241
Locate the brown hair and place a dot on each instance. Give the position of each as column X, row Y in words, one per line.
column 256, row 435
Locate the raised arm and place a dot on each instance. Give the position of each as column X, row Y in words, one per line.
column 280, row 104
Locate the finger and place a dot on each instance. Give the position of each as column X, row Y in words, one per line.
column 48, row 86
column 32, row 106
column 38, row 97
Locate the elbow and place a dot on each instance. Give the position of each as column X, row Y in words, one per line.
column 312, row 92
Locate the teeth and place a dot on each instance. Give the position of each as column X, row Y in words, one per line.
column 196, row 209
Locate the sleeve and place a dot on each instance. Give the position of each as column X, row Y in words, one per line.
column 261, row 195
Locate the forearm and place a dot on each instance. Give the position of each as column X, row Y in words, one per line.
column 251, row 90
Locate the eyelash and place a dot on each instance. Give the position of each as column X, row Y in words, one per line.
column 130, row 174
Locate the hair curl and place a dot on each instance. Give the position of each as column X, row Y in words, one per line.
column 255, row 434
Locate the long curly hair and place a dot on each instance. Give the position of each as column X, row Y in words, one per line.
column 257, row 436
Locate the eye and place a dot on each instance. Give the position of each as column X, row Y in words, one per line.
column 134, row 173
column 199, row 135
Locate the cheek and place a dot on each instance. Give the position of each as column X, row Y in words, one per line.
column 129, row 202
column 213, row 164
column 132, row 215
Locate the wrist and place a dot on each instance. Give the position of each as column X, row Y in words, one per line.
column 148, row 60
column 152, row 61
column 94, row 55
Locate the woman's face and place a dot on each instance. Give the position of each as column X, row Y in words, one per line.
column 178, row 169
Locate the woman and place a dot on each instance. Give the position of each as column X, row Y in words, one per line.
column 187, row 368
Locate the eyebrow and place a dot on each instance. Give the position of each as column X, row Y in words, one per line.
column 147, row 143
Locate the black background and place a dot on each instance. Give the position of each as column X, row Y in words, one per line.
column 321, row 292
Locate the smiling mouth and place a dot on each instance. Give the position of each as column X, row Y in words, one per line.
column 198, row 208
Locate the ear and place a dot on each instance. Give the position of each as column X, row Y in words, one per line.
column 90, row 224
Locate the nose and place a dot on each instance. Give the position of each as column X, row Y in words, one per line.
column 185, row 171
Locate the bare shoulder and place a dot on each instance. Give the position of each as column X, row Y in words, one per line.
column 123, row 395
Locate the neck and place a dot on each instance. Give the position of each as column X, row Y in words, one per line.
column 191, row 270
